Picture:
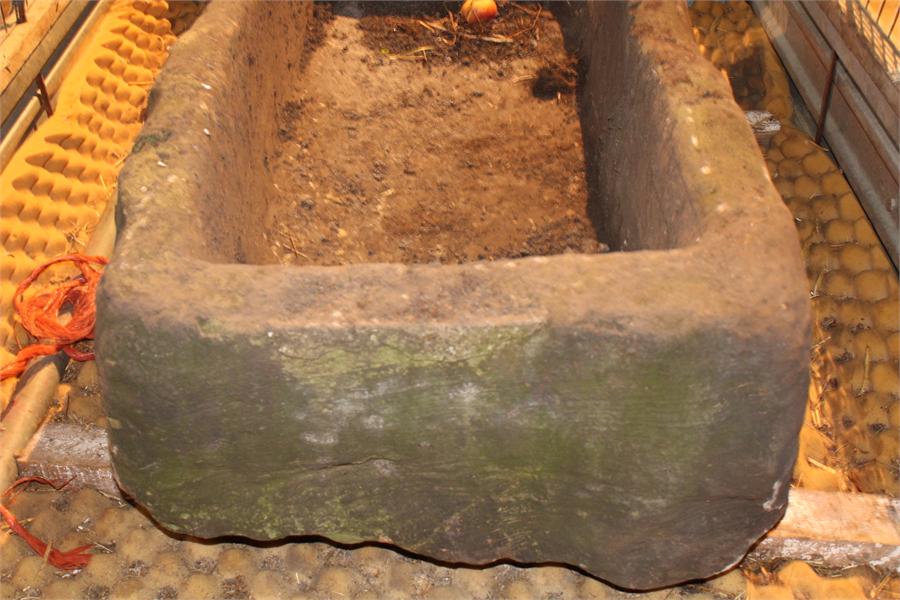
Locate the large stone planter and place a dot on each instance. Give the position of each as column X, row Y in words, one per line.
column 634, row 413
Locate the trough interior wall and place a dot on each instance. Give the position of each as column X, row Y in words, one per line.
column 646, row 203
column 627, row 137
column 261, row 62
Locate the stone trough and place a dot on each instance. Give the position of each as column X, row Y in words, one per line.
column 632, row 413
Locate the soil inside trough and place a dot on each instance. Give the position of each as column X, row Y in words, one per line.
column 411, row 137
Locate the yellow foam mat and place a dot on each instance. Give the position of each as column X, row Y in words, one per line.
column 798, row 581
column 854, row 292
column 135, row 559
column 733, row 39
column 58, row 182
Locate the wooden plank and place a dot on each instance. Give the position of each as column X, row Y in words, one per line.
column 838, row 554
column 14, row 132
column 22, row 40
column 65, row 451
column 837, row 530
column 25, row 51
column 830, row 529
column 864, row 518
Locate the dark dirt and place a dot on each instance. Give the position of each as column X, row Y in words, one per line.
column 414, row 138
column 235, row 589
column 182, row 14
column 96, row 592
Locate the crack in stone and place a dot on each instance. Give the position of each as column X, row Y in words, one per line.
column 371, row 459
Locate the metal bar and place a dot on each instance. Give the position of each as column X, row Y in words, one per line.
column 42, row 95
column 826, row 98
column 51, row 29
column 819, row 39
column 863, row 68
column 880, row 10
column 19, row 6
column 894, row 22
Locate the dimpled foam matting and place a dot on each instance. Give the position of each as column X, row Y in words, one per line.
column 58, row 182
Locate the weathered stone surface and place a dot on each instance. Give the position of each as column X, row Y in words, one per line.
column 634, row 413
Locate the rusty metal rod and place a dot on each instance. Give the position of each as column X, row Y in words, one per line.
column 19, row 6
column 42, row 94
column 14, row 132
column 880, row 10
column 826, row 98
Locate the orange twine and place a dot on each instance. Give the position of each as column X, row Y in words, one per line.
column 77, row 558
column 40, row 313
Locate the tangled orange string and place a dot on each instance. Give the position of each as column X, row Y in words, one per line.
column 77, row 558
column 40, row 314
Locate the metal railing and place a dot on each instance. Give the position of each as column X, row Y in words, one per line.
column 878, row 23
column 871, row 8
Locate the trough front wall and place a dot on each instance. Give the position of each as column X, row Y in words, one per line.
column 511, row 438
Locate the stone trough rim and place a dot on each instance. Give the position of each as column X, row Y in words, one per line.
column 715, row 226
